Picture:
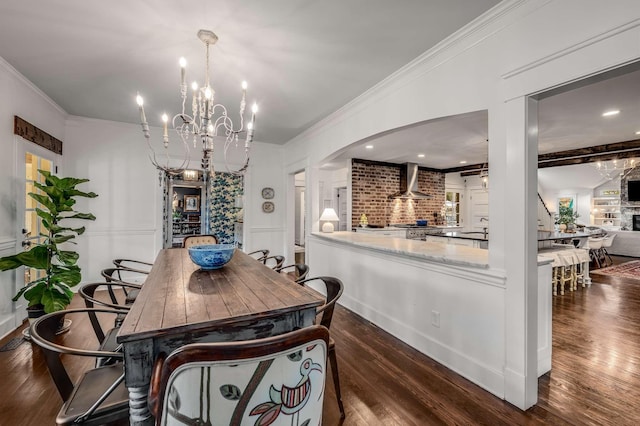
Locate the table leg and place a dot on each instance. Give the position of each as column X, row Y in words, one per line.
column 138, row 410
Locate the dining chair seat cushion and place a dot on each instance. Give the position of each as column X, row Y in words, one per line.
column 95, row 382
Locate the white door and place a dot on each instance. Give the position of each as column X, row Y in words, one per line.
column 342, row 209
column 479, row 209
column 29, row 159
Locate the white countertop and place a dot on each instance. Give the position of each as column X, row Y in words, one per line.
column 440, row 252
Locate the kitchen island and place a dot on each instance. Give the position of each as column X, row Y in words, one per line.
column 442, row 299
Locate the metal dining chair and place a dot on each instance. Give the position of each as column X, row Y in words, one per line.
column 99, row 395
column 133, row 279
column 133, row 265
column 300, row 271
column 333, row 289
column 274, row 380
column 259, row 255
column 274, row 262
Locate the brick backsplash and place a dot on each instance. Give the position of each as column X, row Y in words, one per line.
column 371, row 185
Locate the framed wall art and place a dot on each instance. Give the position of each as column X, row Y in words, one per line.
column 191, row 203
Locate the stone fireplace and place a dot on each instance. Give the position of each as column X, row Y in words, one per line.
column 630, row 210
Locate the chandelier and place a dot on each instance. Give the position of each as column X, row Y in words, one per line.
column 616, row 168
column 205, row 122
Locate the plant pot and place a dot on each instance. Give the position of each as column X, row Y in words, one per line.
column 35, row 312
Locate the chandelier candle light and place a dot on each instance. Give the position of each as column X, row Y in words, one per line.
column 205, row 122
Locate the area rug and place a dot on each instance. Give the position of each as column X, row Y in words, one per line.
column 627, row 270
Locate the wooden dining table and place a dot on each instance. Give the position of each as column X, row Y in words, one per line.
column 180, row 304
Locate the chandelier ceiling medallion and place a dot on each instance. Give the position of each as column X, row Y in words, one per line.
column 205, row 121
column 616, row 168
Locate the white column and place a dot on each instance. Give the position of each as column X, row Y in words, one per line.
column 520, row 252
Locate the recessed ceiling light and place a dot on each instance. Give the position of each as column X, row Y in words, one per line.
column 369, row 146
column 611, row 112
column 463, row 162
column 638, row 132
column 420, row 155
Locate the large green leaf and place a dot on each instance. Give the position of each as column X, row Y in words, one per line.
column 69, row 275
column 34, row 292
column 70, row 183
column 36, row 257
column 68, row 258
column 53, row 300
column 59, row 239
column 87, row 216
column 53, row 192
column 46, row 217
column 76, row 193
column 39, row 282
column 45, row 201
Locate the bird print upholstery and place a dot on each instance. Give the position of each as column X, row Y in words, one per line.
column 286, row 388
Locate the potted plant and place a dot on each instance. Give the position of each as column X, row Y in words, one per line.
column 52, row 292
column 566, row 216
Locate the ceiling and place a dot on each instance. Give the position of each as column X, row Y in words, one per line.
column 567, row 120
column 303, row 59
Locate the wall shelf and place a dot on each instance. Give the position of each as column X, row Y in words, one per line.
column 606, row 211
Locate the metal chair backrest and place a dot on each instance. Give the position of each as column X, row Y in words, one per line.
column 333, row 290
column 133, row 265
column 263, row 254
column 269, row 261
column 301, row 270
column 249, row 382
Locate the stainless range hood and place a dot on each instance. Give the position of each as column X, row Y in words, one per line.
column 409, row 184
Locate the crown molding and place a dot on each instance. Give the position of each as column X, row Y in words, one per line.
column 24, row 80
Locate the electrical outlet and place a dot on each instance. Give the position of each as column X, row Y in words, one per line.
column 435, row 319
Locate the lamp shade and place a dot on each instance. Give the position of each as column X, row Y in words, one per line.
column 328, row 215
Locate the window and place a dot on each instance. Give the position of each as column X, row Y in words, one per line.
column 452, row 208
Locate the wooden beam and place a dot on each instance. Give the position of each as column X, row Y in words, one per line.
column 590, row 154
column 28, row 131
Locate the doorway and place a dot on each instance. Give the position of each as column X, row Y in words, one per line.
column 300, row 222
column 29, row 159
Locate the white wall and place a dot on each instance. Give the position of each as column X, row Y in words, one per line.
column 520, row 48
column 128, row 207
column 18, row 97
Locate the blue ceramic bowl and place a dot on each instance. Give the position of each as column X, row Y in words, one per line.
column 211, row 256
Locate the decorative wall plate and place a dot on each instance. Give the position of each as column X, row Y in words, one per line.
column 268, row 193
column 268, row 207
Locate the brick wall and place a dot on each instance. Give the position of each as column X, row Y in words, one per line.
column 373, row 183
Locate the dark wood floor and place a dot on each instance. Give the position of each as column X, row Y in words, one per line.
column 595, row 378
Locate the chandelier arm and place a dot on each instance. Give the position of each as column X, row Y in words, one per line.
column 241, row 170
column 225, row 116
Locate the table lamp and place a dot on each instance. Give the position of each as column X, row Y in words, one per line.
column 328, row 215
